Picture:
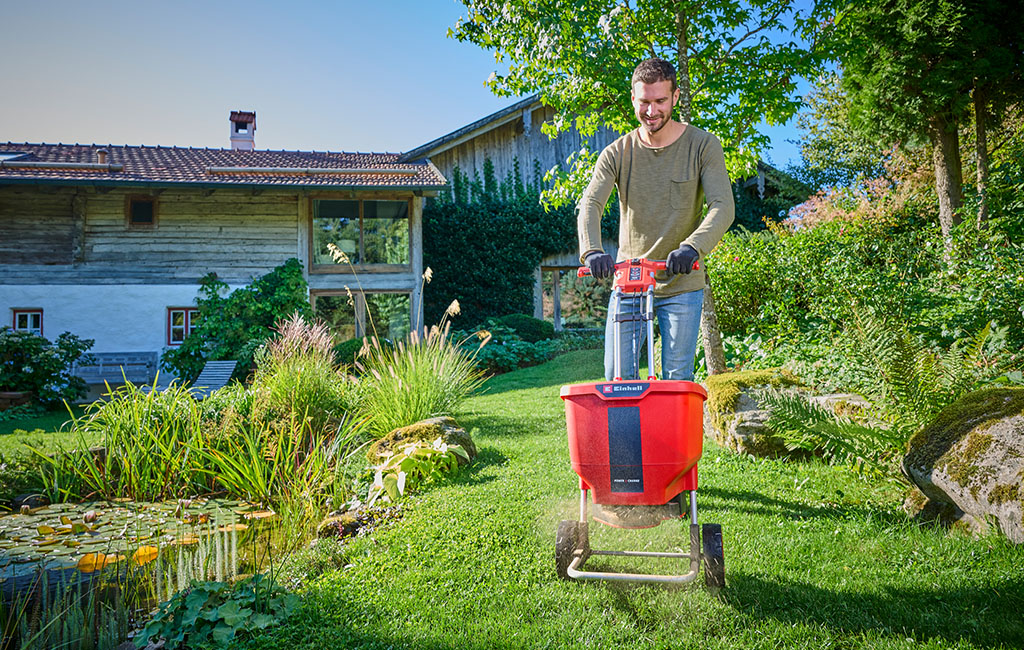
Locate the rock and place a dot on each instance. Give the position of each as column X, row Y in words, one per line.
column 732, row 416
column 969, row 462
column 344, row 525
column 428, row 431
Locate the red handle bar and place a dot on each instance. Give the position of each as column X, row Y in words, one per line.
column 584, row 271
column 634, row 275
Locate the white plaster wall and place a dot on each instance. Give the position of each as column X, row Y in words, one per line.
column 121, row 318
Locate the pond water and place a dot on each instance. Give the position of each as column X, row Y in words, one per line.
column 134, row 554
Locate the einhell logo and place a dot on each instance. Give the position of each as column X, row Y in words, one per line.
column 623, row 389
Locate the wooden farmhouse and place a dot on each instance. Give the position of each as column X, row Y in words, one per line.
column 109, row 242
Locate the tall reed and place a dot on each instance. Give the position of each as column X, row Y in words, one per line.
column 149, row 449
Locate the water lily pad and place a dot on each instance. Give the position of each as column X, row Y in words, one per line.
column 145, row 554
column 66, row 520
column 91, row 562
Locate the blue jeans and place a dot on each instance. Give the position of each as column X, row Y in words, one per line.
column 679, row 320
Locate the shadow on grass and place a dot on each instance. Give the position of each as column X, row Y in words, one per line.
column 485, row 457
column 987, row 617
column 756, row 503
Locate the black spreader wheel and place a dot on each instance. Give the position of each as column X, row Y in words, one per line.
column 565, row 543
column 714, row 556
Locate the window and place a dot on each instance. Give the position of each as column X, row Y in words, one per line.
column 368, row 232
column 28, row 320
column 10, row 155
column 140, row 212
column 383, row 314
column 180, row 323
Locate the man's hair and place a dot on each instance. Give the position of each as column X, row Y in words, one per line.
column 654, row 70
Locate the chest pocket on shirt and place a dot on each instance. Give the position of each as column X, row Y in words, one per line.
column 683, row 193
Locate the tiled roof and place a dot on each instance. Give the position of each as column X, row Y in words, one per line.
column 141, row 165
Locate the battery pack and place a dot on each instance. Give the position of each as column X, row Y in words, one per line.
column 635, row 442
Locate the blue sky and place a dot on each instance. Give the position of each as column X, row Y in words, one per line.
column 338, row 76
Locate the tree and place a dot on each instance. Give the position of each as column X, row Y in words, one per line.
column 833, row 153
column 912, row 69
column 738, row 64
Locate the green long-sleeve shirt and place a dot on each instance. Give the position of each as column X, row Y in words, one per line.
column 661, row 196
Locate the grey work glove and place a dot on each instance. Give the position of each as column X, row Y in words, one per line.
column 601, row 264
column 681, row 259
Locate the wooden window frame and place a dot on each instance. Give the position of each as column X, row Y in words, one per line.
column 190, row 313
column 128, row 212
column 359, row 304
column 358, row 268
column 27, row 312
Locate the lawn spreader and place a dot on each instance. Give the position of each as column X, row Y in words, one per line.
column 635, row 446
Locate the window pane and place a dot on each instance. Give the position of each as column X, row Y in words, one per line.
column 37, row 322
column 177, row 318
column 142, row 211
column 21, row 321
column 390, row 314
column 335, row 222
column 177, row 334
column 193, row 319
column 386, row 232
column 338, row 314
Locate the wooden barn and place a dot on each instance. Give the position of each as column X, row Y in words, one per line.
column 109, row 242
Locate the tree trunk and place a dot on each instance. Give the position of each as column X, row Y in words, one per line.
column 683, row 68
column 981, row 150
column 948, row 178
column 714, row 351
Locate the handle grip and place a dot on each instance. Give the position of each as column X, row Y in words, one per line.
column 583, row 271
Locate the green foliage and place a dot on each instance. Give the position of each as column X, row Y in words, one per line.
column 417, row 463
column 737, row 74
column 906, row 64
column 832, row 152
column 839, row 438
column 218, row 614
column 422, row 377
column 507, row 353
column 150, row 442
column 908, row 384
column 236, row 325
column 527, row 328
column 31, row 363
column 347, row 351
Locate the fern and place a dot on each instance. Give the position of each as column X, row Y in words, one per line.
column 807, row 426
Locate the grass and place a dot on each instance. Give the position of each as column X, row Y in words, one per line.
column 816, row 557
column 15, row 433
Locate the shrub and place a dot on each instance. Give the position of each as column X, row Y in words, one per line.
column 527, row 328
column 30, row 363
column 345, row 352
column 235, row 326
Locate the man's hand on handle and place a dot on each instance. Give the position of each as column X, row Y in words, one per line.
column 600, row 264
column 681, row 260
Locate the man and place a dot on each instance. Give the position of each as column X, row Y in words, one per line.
column 664, row 171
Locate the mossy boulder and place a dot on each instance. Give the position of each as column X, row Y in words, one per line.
column 732, row 416
column 969, row 462
column 427, row 431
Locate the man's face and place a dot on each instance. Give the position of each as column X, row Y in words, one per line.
column 653, row 104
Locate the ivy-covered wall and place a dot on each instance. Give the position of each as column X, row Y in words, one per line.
column 484, row 239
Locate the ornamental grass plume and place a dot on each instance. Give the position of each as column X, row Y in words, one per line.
column 426, row 375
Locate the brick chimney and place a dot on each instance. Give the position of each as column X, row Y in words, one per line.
column 243, row 130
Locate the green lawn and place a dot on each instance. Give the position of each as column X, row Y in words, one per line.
column 43, row 431
column 815, row 557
